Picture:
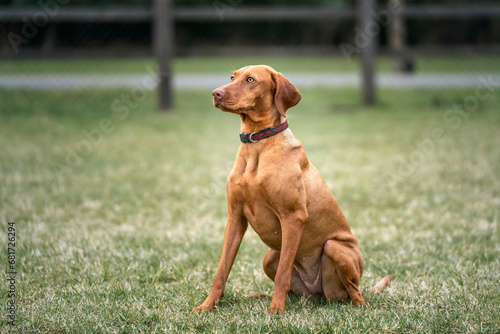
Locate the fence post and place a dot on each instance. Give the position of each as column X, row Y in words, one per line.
column 163, row 49
column 403, row 62
column 366, row 24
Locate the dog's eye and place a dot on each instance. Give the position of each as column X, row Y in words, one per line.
column 250, row 79
column 232, row 77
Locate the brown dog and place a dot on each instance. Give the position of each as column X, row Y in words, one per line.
column 275, row 188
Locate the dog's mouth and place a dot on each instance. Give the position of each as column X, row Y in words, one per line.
column 225, row 105
column 219, row 104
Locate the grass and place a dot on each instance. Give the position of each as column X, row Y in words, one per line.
column 124, row 235
column 288, row 64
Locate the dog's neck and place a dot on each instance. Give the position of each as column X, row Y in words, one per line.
column 254, row 124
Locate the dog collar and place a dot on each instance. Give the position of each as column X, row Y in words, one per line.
column 264, row 133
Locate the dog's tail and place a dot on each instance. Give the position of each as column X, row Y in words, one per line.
column 382, row 284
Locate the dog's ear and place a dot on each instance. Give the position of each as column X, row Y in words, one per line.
column 286, row 95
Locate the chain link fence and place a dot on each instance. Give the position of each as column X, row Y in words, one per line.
column 65, row 44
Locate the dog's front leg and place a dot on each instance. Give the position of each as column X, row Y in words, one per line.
column 235, row 229
column 292, row 227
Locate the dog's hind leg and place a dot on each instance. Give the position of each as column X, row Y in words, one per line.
column 342, row 267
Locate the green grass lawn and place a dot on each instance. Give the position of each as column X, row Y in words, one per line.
column 425, row 64
column 123, row 232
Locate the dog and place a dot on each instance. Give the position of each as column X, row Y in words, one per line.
column 275, row 188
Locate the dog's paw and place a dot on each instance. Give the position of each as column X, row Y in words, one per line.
column 361, row 303
column 365, row 304
column 275, row 309
column 197, row 309
column 205, row 307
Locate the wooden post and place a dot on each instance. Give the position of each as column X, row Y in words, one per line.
column 368, row 51
column 49, row 41
column 397, row 40
column 163, row 49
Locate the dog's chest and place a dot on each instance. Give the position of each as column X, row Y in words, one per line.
column 251, row 181
column 251, row 187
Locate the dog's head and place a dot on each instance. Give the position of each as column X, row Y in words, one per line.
column 256, row 90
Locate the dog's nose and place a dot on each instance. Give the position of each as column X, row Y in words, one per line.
column 218, row 93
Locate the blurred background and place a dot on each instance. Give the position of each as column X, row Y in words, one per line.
column 73, row 44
